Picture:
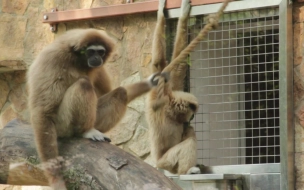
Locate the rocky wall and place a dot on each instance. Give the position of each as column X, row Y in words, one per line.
column 23, row 35
column 298, row 29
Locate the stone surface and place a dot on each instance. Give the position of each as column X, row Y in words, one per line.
column 299, row 167
column 15, row 6
column 131, row 79
column 297, row 13
column 298, row 43
column 145, row 64
column 6, row 115
column 18, row 99
column 4, row 91
column 299, row 137
column 12, row 32
column 85, row 4
column 140, row 144
column 36, row 188
column 298, row 87
column 124, row 131
column 150, row 160
column 28, row 36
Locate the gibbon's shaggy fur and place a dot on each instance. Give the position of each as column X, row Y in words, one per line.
column 70, row 94
column 173, row 141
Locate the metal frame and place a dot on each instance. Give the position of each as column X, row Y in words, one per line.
column 286, row 166
column 232, row 6
column 286, row 96
column 115, row 10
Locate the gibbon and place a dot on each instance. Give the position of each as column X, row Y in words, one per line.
column 70, row 94
column 173, row 141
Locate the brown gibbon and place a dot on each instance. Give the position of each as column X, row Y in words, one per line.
column 70, row 94
column 173, row 141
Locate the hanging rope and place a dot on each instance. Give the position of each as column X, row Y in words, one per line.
column 212, row 23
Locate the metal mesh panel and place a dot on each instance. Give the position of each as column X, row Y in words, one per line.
column 234, row 73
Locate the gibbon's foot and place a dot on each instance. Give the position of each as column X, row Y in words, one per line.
column 194, row 170
column 185, row 8
column 95, row 135
column 155, row 78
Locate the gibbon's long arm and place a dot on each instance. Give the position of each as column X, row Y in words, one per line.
column 159, row 43
column 179, row 71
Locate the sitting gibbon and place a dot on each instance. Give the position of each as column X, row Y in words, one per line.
column 173, row 141
column 70, row 94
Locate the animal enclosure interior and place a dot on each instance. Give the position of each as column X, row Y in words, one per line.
column 234, row 73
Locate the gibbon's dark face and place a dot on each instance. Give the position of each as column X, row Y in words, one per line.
column 93, row 55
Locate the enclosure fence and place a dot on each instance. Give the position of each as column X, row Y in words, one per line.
column 234, row 73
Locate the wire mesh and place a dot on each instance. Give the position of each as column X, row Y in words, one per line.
column 234, row 73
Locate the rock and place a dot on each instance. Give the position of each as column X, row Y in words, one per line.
column 299, row 136
column 7, row 115
column 131, row 79
column 15, row 6
column 4, row 91
column 12, row 33
column 298, row 43
column 150, row 160
column 85, row 4
column 18, row 99
column 124, row 131
column 138, row 104
column 145, row 68
column 140, row 144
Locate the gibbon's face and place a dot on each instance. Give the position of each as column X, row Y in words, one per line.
column 193, row 109
column 94, row 55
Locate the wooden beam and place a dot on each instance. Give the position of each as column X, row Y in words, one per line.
column 114, row 10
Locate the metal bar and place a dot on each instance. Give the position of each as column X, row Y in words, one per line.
column 286, row 97
column 233, row 6
column 205, row 177
column 114, row 10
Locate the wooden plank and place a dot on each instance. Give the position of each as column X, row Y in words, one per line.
column 115, row 10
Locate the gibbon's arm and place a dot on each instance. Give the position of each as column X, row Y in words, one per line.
column 159, row 44
column 178, row 73
column 102, row 82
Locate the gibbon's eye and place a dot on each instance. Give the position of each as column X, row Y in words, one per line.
column 90, row 52
column 101, row 52
column 192, row 107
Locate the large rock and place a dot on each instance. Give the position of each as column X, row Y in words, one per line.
column 298, row 43
column 18, row 99
column 7, row 115
column 12, row 33
column 15, row 6
column 4, row 91
column 140, row 144
column 124, row 131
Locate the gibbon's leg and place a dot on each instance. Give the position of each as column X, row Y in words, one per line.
column 179, row 71
column 159, row 43
column 77, row 112
column 181, row 158
column 112, row 106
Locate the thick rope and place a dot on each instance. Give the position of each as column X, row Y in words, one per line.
column 212, row 23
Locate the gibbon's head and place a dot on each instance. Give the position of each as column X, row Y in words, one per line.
column 91, row 46
column 185, row 105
